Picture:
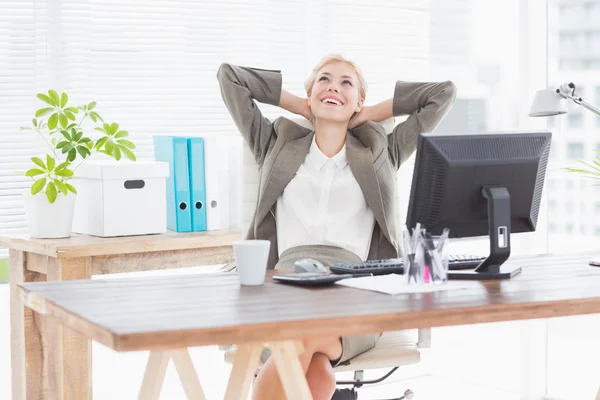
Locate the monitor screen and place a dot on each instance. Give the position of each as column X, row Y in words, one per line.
column 452, row 169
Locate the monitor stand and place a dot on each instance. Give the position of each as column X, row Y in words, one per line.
column 498, row 200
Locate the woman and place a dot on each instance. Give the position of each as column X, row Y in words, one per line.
column 327, row 193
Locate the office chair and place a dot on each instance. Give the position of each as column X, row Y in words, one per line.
column 393, row 350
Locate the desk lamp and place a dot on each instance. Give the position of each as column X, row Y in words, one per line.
column 548, row 103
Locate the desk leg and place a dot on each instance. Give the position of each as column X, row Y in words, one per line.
column 290, row 371
column 69, row 353
column 245, row 365
column 187, row 374
column 27, row 339
column 158, row 361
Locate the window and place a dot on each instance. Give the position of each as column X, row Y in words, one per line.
column 593, row 41
column 597, row 231
column 552, row 205
column 569, row 228
column 569, row 184
column 575, row 151
column 569, row 207
column 575, row 120
column 568, row 41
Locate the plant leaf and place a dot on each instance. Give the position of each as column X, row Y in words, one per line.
column 114, row 127
column 34, row 122
column 109, row 146
column 66, row 135
column 100, row 129
column 77, row 136
column 121, row 134
column 61, row 166
column 92, row 105
column 61, row 186
column 101, row 142
column 50, row 162
column 45, row 99
column 73, row 110
column 43, row 111
column 63, row 100
column 71, row 188
column 93, row 117
column 83, row 151
column 72, row 155
column 117, row 152
column 38, row 186
column 51, row 192
column 54, row 96
column 39, row 162
column 70, row 115
column 95, row 114
column 84, row 140
column 34, row 172
column 64, row 121
column 128, row 153
column 89, row 145
column 64, row 172
column 52, row 121
column 126, row 143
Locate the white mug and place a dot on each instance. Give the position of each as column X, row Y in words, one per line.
column 251, row 257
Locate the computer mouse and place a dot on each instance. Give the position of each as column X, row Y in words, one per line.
column 309, row 265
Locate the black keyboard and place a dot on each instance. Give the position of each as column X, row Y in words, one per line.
column 396, row 265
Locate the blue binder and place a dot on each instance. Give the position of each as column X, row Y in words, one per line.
column 197, row 183
column 174, row 150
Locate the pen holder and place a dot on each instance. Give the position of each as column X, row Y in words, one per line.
column 429, row 262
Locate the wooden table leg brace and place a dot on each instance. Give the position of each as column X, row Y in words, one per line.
column 157, row 367
column 290, row 370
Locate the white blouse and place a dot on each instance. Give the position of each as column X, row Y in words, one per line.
column 323, row 204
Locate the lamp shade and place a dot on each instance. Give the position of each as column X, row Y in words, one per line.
column 547, row 103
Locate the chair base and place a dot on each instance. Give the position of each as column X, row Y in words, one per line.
column 351, row 394
column 345, row 394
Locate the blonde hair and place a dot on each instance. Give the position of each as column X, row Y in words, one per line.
column 330, row 58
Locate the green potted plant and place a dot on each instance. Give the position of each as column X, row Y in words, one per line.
column 50, row 202
column 593, row 169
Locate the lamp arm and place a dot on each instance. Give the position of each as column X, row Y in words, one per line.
column 566, row 91
column 590, row 107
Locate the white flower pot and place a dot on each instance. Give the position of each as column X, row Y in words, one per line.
column 49, row 221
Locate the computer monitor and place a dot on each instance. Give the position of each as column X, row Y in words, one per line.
column 480, row 184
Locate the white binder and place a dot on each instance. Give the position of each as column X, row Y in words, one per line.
column 235, row 144
column 216, row 161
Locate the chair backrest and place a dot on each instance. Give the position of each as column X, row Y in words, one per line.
column 251, row 174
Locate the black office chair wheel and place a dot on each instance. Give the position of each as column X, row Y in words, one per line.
column 345, row 394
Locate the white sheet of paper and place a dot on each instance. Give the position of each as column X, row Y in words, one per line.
column 396, row 284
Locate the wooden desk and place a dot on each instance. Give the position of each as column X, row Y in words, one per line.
column 170, row 313
column 41, row 349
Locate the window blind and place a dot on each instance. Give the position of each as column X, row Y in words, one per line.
column 151, row 64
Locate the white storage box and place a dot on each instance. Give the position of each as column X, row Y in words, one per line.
column 120, row 198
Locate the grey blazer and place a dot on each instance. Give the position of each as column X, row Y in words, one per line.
column 281, row 146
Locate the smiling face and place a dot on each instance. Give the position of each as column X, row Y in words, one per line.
column 335, row 94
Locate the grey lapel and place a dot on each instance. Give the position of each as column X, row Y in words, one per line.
column 360, row 159
column 285, row 166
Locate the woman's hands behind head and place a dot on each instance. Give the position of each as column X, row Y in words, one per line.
column 361, row 117
column 295, row 105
